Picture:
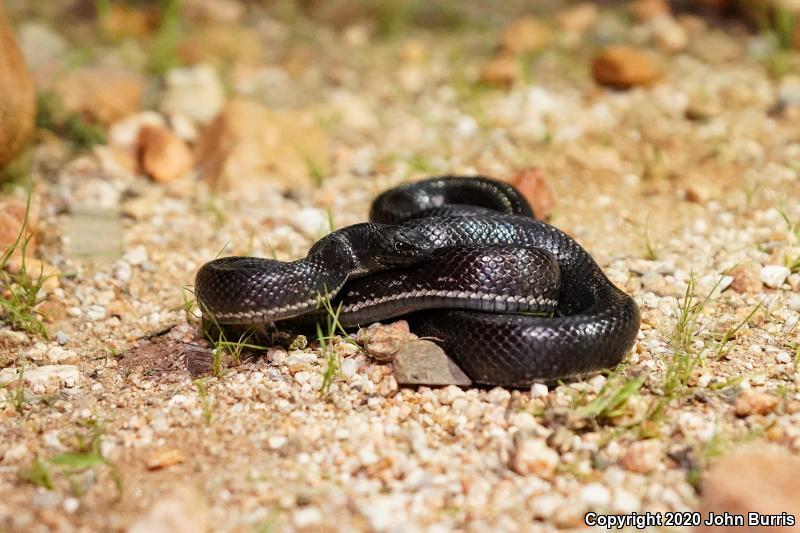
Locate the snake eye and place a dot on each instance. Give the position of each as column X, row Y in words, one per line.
column 403, row 247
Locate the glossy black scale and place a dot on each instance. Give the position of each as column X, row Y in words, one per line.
column 469, row 254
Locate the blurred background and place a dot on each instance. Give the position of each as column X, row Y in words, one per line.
column 139, row 140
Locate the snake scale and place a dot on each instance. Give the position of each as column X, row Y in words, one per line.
column 512, row 299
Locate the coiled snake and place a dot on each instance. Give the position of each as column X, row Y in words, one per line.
column 512, row 299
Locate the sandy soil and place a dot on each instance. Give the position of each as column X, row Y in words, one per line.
column 684, row 184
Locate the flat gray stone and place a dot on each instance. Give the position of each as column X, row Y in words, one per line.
column 94, row 234
column 421, row 362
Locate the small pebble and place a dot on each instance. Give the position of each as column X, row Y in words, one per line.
column 746, row 277
column 276, row 442
column 311, row 221
column 773, row 276
column 533, row 456
column 349, row 367
column 643, row 456
column 96, row 312
column 595, row 495
column 306, row 517
column 498, row 395
column 71, row 504
column 754, row 402
column 61, row 337
column 539, row 390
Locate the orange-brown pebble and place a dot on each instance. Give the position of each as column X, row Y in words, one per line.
column 163, row 155
column 623, row 67
column 534, row 187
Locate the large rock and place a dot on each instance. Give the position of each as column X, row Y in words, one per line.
column 103, row 95
column 531, row 182
column 763, row 480
column 194, row 92
column 12, row 224
column 502, row 71
column 623, row 67
column 525, row 34
column 248, row 141
column 17, row 95
column 421, row 362
column 163, row 155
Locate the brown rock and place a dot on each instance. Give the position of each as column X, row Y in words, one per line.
column 525, row 34
column 122, row 21
column 52, row 311
column 199, row 360
column 698, row 194
column 17, row 95
column 382, row 342
column 746, row 277
column 532, row 184
column 10, row 340
column 643, row 456
column 753, row 402
column 248, row 141
column 163, row 155
column 623, row 67
column 101, row 94
column 501, row 71
column 165, row 458
column 759, row 479
column 421, row 362
column 578, row 18
column 12, row 219
column 645, row 10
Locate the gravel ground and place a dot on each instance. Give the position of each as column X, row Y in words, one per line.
column 683, row 185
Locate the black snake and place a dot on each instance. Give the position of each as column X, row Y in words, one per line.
column 512, row 299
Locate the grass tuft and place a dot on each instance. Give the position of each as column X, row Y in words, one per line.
column 163, row 54
column 315, row 170
column 651, row 247
column 332, row 362
column 16, row 390
column 38, row 474
column 19, row 289
column 51, row 116
column 684, row 359
column 332, row 326
column 75, row 465
column 216, row 335
column 724, row 344
column 206, row 401
column 611, row 398
column 188, row 305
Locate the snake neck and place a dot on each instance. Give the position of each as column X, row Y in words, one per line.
column 355, row 249
column 339, row 250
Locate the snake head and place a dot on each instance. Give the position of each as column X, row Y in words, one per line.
column 400, row 246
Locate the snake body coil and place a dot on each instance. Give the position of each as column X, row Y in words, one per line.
column 467, row 262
